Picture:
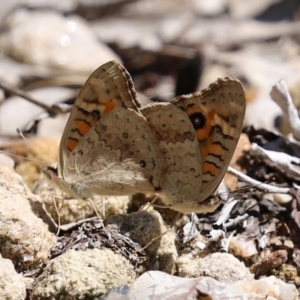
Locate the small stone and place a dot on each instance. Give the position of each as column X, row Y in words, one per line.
column 220, row 266
column 83, row 275
column 147, row 229
column 12, row 285
column 25, row 238
column 269, row 262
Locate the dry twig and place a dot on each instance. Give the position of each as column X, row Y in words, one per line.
column 282, row 97
column 16, row 91
column 259, row 185
column 286, row 162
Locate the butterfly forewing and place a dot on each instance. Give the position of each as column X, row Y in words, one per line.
column 110, row 86
column 217, row 115
column 107, row 147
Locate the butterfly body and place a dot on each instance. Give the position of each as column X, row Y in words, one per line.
column 180, row 149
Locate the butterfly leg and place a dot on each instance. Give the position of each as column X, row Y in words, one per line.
column 148, row 204
column 57, row 211
column 95, row 209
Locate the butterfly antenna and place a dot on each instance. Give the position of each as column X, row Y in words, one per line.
column 20, row 156
column 43, row 160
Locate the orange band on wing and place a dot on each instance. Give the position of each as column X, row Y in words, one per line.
column 209, row 168
column 204, row 132
column 216, row 149
column 71, row 143
column 108, row 106
column 203, row 151
column 82, row 127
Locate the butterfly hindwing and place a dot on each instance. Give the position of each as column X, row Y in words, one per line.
column 179, row 145
column 118, row 156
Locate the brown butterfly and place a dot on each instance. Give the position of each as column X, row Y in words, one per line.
column 179, row 150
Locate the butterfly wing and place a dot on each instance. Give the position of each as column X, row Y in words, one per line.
column 107, row 142
column 118, row 156
column 197, row 135
column 110, row 86
column 217, row 115
column 179, row 145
